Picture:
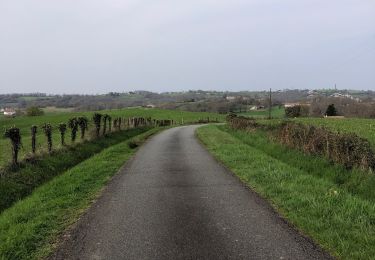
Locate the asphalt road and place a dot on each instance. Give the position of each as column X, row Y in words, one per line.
column 174, row 201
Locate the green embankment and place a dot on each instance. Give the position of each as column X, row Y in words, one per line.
column 24, row 123
column 15, row 185
column 30, row 228
column 330, row 204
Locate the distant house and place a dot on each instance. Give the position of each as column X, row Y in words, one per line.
column 150, row 106
column 340, row 95
column 253, row 108
column 9, row 112
column 295, row 104
column 230, row 98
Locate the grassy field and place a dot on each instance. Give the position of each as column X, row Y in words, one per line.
column 362, row 127
column 30, row 228
column 276, row 112
column 334, row 206
column 56, row 117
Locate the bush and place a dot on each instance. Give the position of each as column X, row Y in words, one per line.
column 34, row 111
column 34, row 129
column 296, row 111
column 347, row 149
column 73, row 125
column 241, row 122
column 83, row 125
column 331, row 110
column 97, row 118
column 47, row 129
column 62, row 130
column 14, row 135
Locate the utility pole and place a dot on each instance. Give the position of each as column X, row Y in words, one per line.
column 270, row 105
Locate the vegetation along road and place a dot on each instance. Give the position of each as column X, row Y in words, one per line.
column 174, row 201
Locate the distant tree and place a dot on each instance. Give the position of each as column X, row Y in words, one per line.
column 33, row 138
column 109, row 123
column 14, row 135
column 73, row 125
column 105, row 118
column 34, row 111
column 97, row 118
column 297, row 111
column 62, row 130
column 47, row 129
column 331, row 110
column 83, row 123
column 115, row 124
column 294, row 111
column 119, row 121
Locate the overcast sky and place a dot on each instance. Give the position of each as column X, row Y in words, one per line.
column 97, row 46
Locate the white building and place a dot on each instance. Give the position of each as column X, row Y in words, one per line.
column 10, row 112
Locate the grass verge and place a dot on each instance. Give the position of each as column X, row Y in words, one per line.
column 29, row 229
column 16, row 184
column 335, row 213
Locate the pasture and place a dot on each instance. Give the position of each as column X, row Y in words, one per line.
column 276, row 112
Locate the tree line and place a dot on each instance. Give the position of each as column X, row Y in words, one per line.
column 103, row 124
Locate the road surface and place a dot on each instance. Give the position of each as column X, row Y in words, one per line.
column 174, row 201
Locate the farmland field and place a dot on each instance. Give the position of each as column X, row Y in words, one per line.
column 364, row 128
column 276, row 112
column 55, row 117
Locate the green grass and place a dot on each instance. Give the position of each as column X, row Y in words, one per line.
column 362, row 127
column 24, row 123
column 333, row 206
column 20, row 182
column 276, row 112
column 30, row 228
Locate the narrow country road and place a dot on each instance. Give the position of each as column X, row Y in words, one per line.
column 174, row 201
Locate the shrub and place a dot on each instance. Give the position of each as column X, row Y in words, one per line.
column 73, row 125
column 331, row 110
column 109, row 123
column 119, row 121
column 105, row 118
column 297, row 111
column 47, row 129
column 163, row 122
column 34, row 111
column 14, row 135
column 240, row 122
column 33, row 138
column 347, row 149
column 115, row 124
column 97, row 118
column 83, row 125
column 62, row 130
column 132, row 144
